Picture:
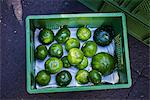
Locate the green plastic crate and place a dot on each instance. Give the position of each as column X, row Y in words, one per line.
column 137, row 11
column 117, row 20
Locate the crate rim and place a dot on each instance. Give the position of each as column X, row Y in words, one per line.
column 75, row 15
